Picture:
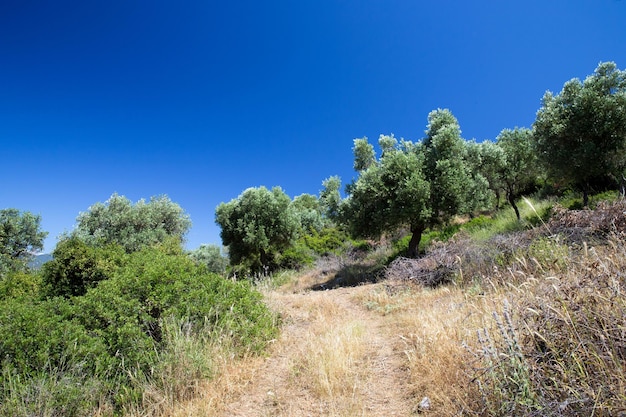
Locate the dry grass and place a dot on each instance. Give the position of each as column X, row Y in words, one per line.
column 533, row 324
column 433, row 328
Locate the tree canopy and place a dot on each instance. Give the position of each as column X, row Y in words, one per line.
column 415, row 185
column 520, row 169
column 132, row 226
column 390, row 193
column 257, row 225
column 580, row 133
column 20, row 237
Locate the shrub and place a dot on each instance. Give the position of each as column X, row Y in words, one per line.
column 77, row 266
column 325, row 241
column 296, row 257
column 19, row 284
column 117, row 337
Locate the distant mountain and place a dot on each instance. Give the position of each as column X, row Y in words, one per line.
column 39, row 260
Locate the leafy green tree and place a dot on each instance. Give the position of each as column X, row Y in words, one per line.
column 20, row 237
column 258, row 225
column 390, row 193
column 580, row 133
column 488, row 159
column 520, row 170
column 414, row 185
column 132, row 226
column 212, row 257
column 309, row 210
column 364, row 155
column 330, row 198
column 453, row 189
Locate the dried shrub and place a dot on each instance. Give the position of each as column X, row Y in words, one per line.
column 569, row 328
column 589, row 225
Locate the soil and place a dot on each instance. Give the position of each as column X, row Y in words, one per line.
column 274, row 386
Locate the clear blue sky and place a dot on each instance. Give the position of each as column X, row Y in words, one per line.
column 200, row 100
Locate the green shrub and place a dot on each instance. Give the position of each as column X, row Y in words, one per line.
column 19, row 284
column 118, row 335
column 37, row 335
column 77, row 266
column 296, row 257
column 325, row 241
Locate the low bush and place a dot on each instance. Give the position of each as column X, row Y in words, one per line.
column 118, row 335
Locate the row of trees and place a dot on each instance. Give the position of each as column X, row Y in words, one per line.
column 578, row 141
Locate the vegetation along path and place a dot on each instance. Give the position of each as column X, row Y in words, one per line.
column 335, row 357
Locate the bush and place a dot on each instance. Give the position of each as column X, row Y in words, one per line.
column 42, row 335
column 118, row 334
column 296, row 257
column 19, row 284
column 77, row 266
column 325, row 241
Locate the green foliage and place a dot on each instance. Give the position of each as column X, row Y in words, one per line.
column 119, row 333
column 325, row 241
column 77, row 266
column 20, row 237
column 389, row 194
column 131, row 226
column 211, row 256
column 297, row 256
column 521, row 169
column 257, row 226
column 330, row 198
column 580, row 133
column 19, row 284
column 414, row 185
column 309, row 210
column 364, row 155
column 488, row 159
column 38, row 335
column 454, row 189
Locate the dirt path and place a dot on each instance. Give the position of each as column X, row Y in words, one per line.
column 334, row 358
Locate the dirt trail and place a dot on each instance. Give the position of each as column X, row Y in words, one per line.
column 334, row 358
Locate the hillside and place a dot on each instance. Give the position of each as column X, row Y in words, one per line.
column 529, row 323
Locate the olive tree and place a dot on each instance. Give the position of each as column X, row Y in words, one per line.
column 580, row 133
column 212, row 257
column 414, row 185
column 390, row 193
column 453, row 187
column 520, row 169
column 132, row 226
column 488, row 159
column 256, row 226
column 330, row 198
column 20, row 237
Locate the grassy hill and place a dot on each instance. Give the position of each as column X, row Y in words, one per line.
column 500, row 319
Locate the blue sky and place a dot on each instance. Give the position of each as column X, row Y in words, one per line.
column 200, row 100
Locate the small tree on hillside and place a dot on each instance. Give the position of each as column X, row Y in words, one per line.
column 390, row 193
column 580, row 133
column 488, row 159
column 453, row 189
column 414, row 185
column 520, row 170
column 212, row 257
column 309, row 210
column 330, row 199
column 257, row 225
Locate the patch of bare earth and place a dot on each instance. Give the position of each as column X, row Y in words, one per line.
column 334, row 358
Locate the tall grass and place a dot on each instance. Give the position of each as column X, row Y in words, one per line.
column 532, row 213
